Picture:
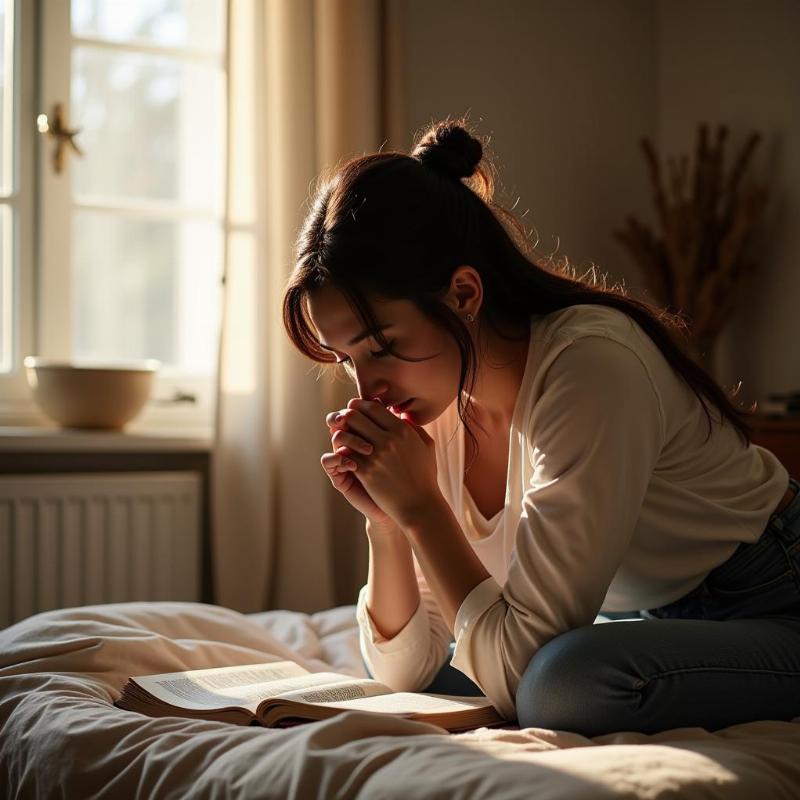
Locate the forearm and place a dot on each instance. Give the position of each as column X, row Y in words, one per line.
column 392, row 591
column 451, row 568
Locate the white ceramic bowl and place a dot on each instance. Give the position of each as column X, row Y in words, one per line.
column 90, row 396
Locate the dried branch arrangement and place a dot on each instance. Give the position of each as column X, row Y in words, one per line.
column 694, row 264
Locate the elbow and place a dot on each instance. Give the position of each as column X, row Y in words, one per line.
column 409, row 671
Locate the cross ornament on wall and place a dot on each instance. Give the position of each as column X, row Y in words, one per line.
column 55, row 127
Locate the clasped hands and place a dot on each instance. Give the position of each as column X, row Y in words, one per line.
column 393, row 459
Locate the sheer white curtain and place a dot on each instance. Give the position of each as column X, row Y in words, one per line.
column 308, row 86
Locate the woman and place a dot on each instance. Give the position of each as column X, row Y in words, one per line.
column 530, row 449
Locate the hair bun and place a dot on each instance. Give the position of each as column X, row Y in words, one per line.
column 448, row 148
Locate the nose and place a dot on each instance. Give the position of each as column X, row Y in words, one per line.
column 370, row 389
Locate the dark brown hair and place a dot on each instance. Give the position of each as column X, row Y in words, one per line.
column 397, row 226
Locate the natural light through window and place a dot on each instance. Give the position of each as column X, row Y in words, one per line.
column 7, row 144
column 147, row 93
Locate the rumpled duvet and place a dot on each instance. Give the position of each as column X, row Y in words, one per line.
column 60, row 735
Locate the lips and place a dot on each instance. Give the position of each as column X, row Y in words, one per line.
column 399, row 408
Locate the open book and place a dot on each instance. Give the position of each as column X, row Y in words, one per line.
column 282, row 694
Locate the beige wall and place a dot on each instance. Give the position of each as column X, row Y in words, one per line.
column 563, row 88
column 567, row 87
column 738, row 62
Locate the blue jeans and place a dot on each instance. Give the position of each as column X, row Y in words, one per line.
column 726, row 653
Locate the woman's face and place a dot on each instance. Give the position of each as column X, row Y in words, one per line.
column 430, row 385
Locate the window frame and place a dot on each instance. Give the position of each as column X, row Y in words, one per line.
column 44, row 39
column 16, row 404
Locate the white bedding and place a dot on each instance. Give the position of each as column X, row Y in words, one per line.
column 60, row 736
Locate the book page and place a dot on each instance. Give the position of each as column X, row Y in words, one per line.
column 244, row 686
column 336, row 692
column 220, row 687
column 411, row 702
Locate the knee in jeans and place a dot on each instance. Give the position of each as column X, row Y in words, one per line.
column 556, row 687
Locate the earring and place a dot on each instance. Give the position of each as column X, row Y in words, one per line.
column 470, row 318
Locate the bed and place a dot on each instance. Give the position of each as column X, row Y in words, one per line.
column 60, row 735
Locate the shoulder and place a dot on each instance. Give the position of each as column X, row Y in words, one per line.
column 585, row 320
column 596, row 375
column 593, row 341
column 597, row 358
column 593, row 365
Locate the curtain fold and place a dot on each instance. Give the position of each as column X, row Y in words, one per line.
column 307, row 85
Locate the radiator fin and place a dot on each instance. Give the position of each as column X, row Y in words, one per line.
column 83, row 539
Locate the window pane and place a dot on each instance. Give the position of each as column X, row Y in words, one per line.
column 6, row 289
column 151, row 127
column 169, row 23
column 146, row 289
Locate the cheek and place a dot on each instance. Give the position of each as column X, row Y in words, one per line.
column 434, row 380
column 442, row 375
column 450, row 364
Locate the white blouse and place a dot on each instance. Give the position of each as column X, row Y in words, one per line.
column 614, row 502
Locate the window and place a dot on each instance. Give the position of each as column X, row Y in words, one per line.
column 130, row 230
column 9, row 181
column 17, row 194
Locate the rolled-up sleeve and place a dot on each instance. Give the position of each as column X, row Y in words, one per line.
column 594, row 435
column 409, row 660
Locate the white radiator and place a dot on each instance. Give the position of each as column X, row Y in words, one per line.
column 71, row 540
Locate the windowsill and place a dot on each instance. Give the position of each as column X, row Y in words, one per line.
column 51, row 439
column 172, row 428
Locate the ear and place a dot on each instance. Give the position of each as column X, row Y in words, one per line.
column 465, row 294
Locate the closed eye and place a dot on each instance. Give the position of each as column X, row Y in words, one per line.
column 373, row 353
